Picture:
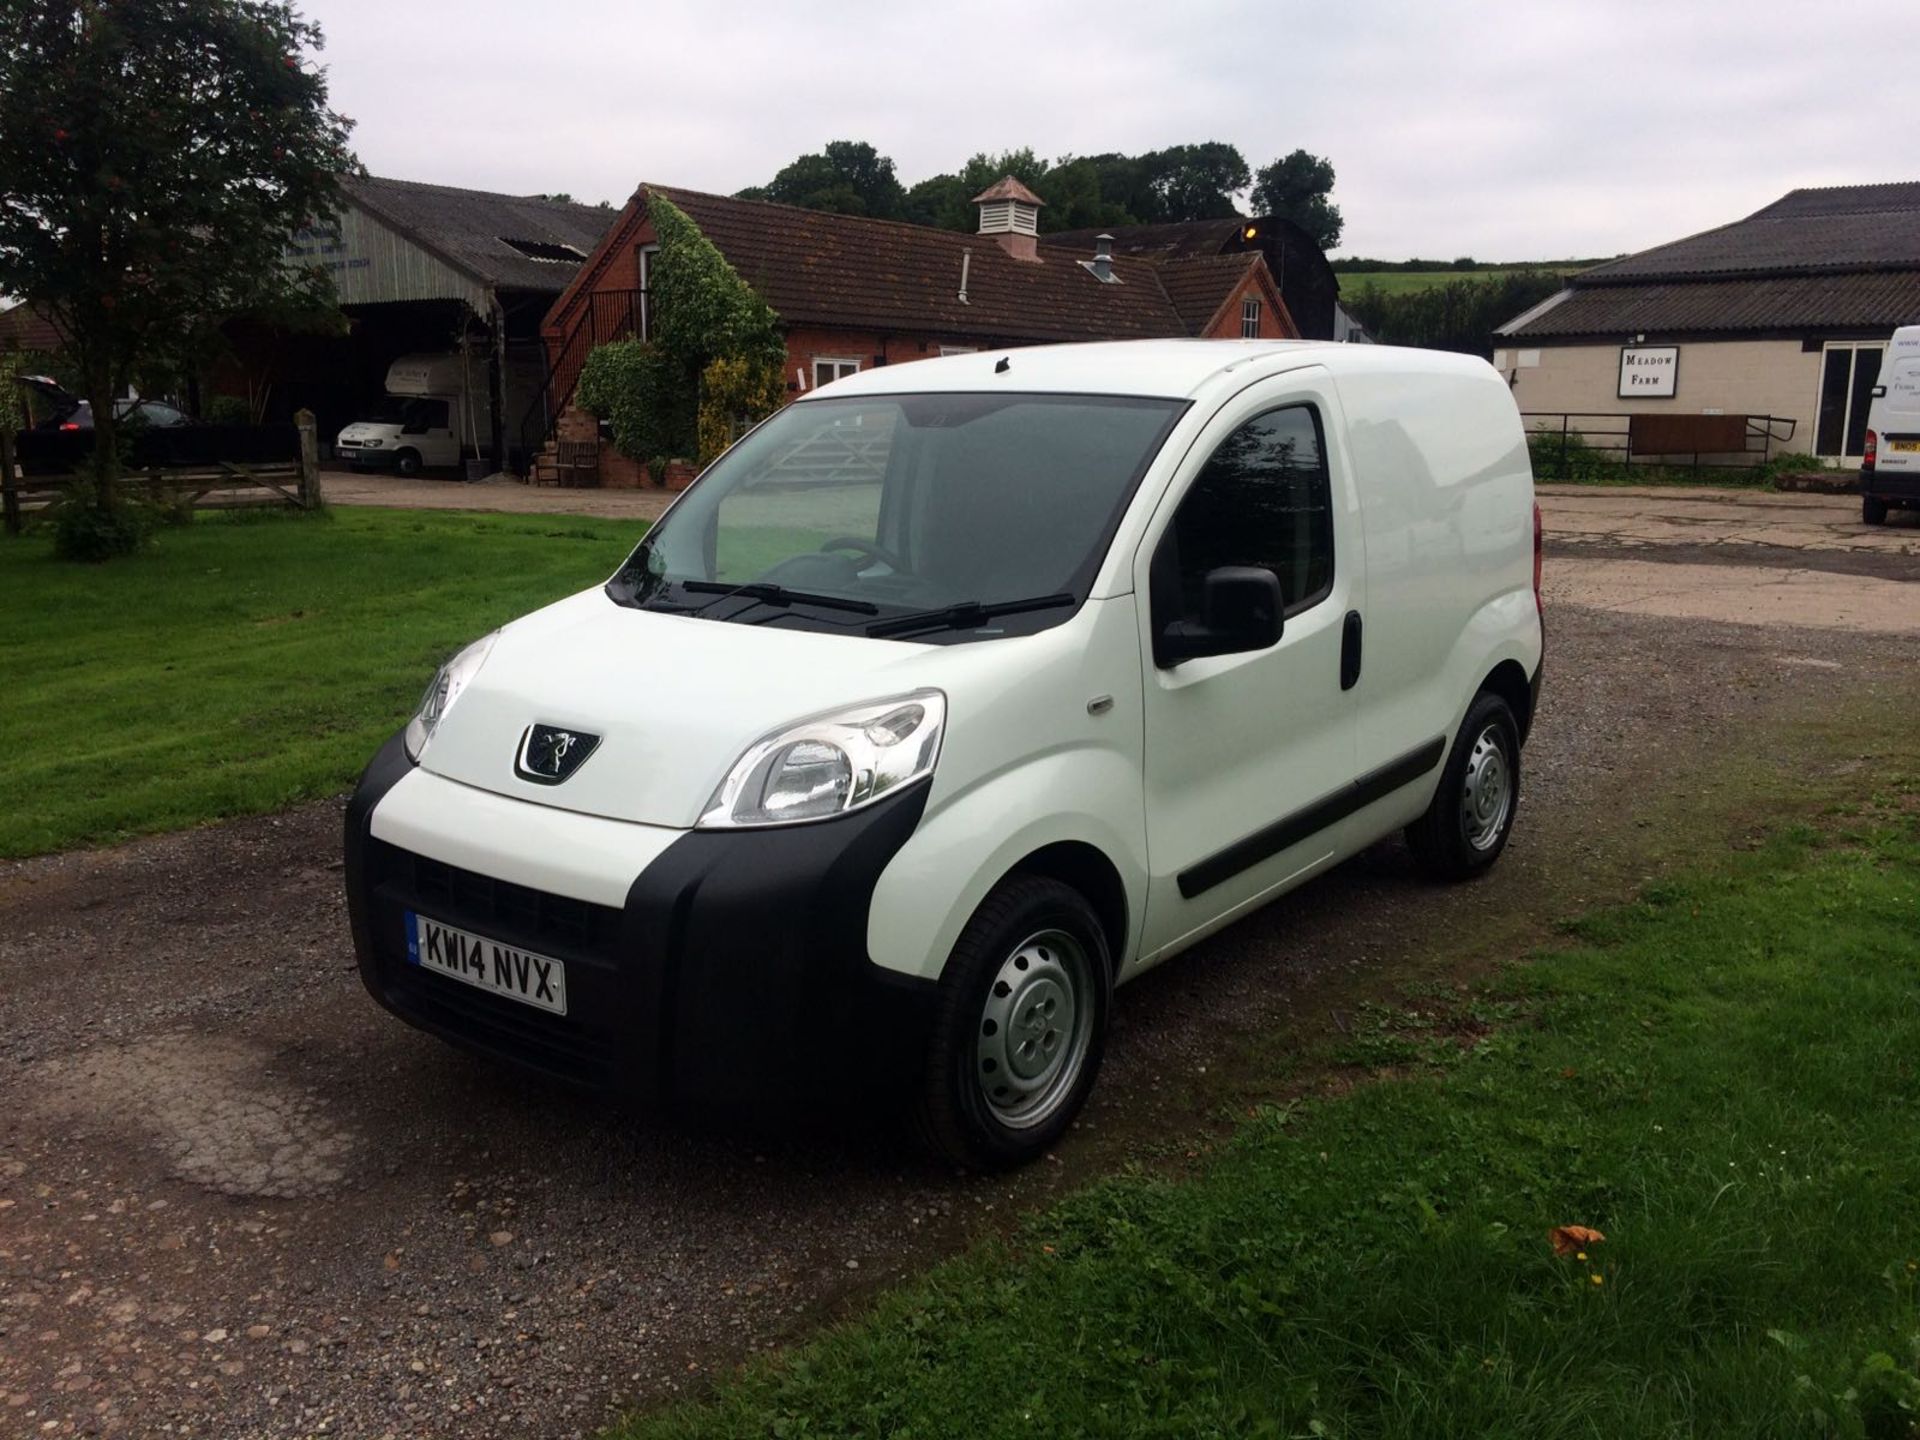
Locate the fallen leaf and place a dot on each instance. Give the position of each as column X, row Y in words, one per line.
column 1567, row 1239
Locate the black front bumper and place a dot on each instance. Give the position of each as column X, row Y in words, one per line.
column 735, row 976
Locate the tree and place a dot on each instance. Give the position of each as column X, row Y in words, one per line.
column 848, row 177
column 1458, row 315
column 1299, row 187
column 155, row 156
column 1197, row 182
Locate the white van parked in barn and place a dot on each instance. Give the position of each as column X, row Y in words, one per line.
column 1890, row 468
column 951, row 697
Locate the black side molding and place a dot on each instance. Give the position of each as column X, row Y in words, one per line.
column 1244, row 854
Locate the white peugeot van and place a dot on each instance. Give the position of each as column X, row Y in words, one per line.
column 1890, row 468
column 951, row 697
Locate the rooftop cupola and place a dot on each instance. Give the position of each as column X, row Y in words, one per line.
column 1010, row 213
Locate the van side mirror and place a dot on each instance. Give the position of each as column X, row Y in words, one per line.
column 1243, row 606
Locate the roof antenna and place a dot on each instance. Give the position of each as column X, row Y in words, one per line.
column 1005, row 365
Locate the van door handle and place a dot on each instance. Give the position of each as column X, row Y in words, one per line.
column 1350, row 652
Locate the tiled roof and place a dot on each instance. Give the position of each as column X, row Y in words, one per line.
column 1846, row 227
column 1198, row 287
column 1176, row 240
column 24, row 328
column 1008, row 188
column 824, row 269
column 1862, row 300
column 470, row 228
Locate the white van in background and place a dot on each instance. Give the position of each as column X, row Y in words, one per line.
column 1890, row 469
column 951, row 698
column 435, row 409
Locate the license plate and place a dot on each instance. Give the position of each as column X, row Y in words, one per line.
column 537, row 980
column 1905, row 446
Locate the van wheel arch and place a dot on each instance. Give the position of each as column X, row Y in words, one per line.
column 1087, row 869
column 1511, row 684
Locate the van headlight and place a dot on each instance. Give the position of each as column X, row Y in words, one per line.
column 831, row 764
column 443, row 690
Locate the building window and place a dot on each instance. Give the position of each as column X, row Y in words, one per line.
column 827, row 369
column 1250, row 318
column 1848, row 373
column 959, row 349
column 645, row 261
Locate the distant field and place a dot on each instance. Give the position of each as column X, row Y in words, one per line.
column 1405, row 282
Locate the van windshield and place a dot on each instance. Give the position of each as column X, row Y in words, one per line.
column 941, row 517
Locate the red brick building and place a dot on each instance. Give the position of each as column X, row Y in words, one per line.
column 854, row 292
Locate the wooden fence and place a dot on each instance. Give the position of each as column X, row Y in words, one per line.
column 216, row 485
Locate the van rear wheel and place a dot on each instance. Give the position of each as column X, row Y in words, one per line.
column 1020, row 1026
column 1467, row 825
column 1872, row 511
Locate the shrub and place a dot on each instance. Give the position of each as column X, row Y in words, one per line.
column 1794, row 462
column 644, row 397
column 1570, row 457
column 229, row 410
column 85, row 530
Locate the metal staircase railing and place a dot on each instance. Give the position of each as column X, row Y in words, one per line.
column 608, row 315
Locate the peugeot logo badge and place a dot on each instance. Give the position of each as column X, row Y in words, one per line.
column 549, row 754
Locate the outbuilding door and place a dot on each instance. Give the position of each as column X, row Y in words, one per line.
column 1848, row 372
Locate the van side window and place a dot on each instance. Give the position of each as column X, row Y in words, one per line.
column 425, row 415
column 1264, row 498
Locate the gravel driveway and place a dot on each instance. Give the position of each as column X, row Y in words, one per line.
column 236, row 1200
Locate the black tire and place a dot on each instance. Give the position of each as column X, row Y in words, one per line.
column 407, row 462
column 1036, row 924
column 1872, row 511
column 1448, row 842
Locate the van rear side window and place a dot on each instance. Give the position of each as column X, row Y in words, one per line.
column 1263, row 499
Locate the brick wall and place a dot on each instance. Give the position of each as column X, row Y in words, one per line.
column 1275, row 322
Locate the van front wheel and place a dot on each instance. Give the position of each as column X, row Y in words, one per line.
column 1019, row 1028
column 1467, row 825
column 407, row 462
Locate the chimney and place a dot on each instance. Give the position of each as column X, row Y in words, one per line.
column 1010, row 215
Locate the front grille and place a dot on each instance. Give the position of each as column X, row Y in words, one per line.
column 582, row 1045
column 500, row 908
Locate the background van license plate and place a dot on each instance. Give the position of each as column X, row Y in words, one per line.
column 537, row 980
column 1903, row 446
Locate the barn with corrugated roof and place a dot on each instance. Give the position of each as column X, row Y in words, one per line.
column 1785, row 314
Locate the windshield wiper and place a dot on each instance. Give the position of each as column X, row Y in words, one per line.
column 965, row 615
column 770, row 594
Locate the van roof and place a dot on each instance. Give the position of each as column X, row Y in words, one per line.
column 1176, row 369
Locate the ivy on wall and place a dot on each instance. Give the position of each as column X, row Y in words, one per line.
column 735, row 392
column 714, row 361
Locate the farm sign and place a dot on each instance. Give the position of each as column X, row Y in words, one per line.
column 1648, row 372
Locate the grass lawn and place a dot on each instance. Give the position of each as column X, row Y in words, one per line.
column 247, row 662
column 1724, row 1078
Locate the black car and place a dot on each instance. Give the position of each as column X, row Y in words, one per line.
column 63, row 410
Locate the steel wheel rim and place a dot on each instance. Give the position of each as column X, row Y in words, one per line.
column 1486, row 798
column 1035, row 1029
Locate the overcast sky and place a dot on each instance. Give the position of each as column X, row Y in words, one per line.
column 1508, row 131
